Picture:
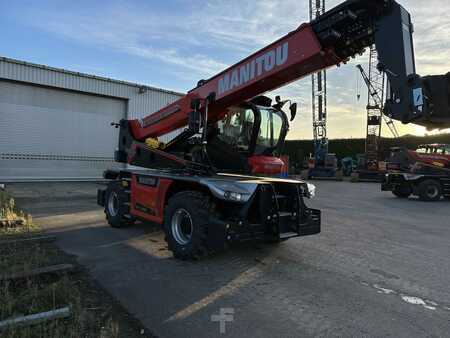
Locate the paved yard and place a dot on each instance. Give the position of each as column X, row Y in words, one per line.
column 380, row 267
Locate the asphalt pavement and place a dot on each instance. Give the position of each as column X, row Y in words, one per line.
column 380, row 267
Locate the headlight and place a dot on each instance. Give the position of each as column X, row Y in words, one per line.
column 311, row 190
column 233, row 191
column 233, row 196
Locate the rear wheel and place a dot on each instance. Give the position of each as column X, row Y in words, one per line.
column 430, row 190
column 186, row 221
column 276, row 241
column 402, row 190
column 117, row 206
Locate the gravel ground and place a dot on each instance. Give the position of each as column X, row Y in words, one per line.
column 380, row 267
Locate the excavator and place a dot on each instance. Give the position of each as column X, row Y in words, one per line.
column 212, row 185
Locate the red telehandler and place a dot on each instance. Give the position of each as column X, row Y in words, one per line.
column 424, row 172
column 198, row 187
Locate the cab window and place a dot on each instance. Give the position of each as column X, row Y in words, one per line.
column 237, row 128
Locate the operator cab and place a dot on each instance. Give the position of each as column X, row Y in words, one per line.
column 248, row 134
column 253, row 129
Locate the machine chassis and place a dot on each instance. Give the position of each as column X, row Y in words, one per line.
column 238, row 208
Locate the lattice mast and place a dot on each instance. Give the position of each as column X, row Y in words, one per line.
column 319, row 96
column 375, row 100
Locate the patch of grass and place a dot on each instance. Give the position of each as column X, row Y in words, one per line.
column 36, row 296
column 23, row 257
column 13, row 221
column 93, row 312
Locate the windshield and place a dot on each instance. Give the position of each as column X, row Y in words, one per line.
column 434, row 150
column 270, row 129
column 422, row 150
column 238, row 126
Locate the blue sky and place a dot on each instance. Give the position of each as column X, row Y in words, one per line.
column 174, row 43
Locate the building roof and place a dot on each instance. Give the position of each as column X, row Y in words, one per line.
column 89, row 76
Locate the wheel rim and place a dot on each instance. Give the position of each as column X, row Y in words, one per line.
column 113, row 204
column 432, row 191
column 182, row 226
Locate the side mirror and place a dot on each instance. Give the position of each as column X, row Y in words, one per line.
column 277, row 99
column 293, row 109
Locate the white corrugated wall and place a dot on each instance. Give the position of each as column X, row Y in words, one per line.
column 139, row 101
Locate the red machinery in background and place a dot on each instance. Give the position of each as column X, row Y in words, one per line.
column 424, row 172
column 432, row 154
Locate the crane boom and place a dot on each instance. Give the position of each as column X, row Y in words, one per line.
column 265, row 70
column 331, row 39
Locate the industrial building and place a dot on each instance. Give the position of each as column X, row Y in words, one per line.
column 55, row 123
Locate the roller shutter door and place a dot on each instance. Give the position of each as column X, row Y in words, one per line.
column 48, row 133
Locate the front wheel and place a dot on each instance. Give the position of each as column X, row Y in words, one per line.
column 117, row 206
column 186, row 221
column 402, row 191
column 430, row 190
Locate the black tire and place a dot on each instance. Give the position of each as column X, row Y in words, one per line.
column 402, row 191
column 186, row 221
column 430, row 190
column 275, row 241
column 117, row 207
